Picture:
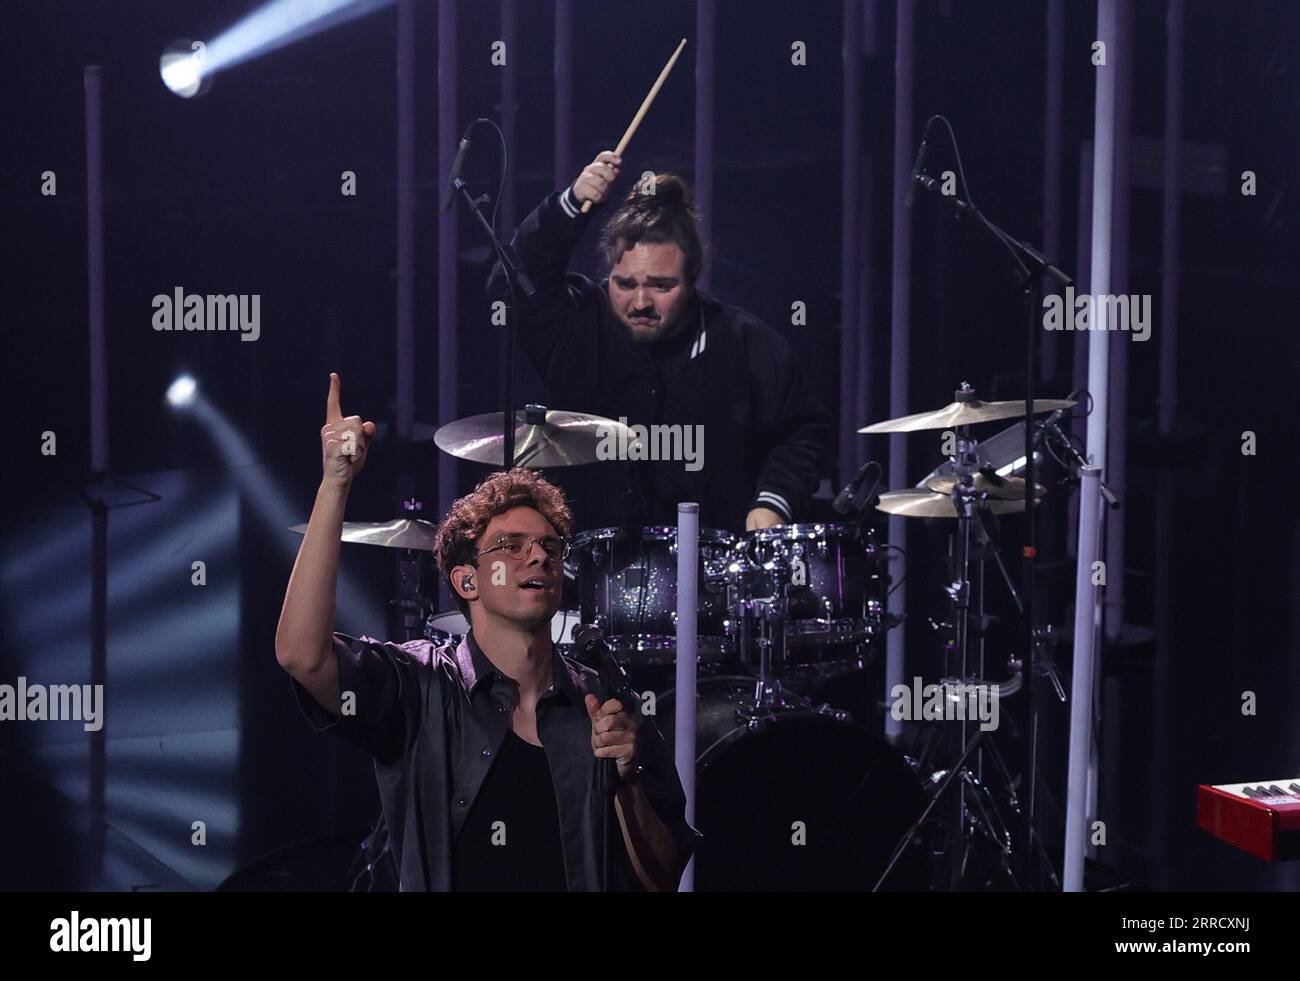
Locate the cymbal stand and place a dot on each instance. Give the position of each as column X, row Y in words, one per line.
column 411, row 604
column 970, row 804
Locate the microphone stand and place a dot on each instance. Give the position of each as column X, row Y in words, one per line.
column 516, row 280
column 1031, row 266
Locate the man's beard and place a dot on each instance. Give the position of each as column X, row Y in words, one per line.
column 662, row 330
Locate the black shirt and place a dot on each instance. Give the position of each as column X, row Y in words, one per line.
column 511, row 840
column 435, row 716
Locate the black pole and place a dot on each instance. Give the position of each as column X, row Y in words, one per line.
column 1033, row 291
column 508, row 386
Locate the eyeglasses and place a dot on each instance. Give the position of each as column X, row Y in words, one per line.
column 518, row 545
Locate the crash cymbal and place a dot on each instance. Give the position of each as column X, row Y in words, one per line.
column 398, row 533
column 998, row 488
column 965, row 411
column 543, row 437
column 927, row 504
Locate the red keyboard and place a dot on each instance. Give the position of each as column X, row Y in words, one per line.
column 1261, row 817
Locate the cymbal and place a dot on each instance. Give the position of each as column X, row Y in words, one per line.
column 927, row 504
column 543, row 437
column 1009, row 488
column 966, row 413
column 398, row 533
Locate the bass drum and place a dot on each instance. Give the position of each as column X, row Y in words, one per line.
column 804, row 802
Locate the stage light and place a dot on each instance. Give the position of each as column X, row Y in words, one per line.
column 180, row 393
column 182, row 68
column 187, row 67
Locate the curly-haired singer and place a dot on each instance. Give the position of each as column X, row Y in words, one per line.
column 485, row 752
column 648, row 347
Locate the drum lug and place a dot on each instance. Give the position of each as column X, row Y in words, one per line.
column 839, row 715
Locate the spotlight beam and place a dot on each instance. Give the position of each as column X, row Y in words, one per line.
column 268, row 28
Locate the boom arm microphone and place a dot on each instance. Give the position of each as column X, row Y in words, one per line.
column 456, row 166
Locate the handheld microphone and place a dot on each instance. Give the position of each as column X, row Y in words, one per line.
column 589, row 642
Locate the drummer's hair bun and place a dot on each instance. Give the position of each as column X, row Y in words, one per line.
column 659, row 208
column 663, row 192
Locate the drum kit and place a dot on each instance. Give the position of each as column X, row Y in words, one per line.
column 781, row 610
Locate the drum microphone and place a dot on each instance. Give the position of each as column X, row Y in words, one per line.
column 852, row 498
column 589, row 642
column 1051, row 427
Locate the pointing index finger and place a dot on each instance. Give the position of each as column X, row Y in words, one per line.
column 332, row 412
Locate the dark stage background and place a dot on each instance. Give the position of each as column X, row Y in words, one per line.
column 239, row 192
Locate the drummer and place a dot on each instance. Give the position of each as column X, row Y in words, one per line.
column 645, row 346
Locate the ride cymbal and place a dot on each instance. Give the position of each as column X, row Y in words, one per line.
column 543, row 437
column 927, row 504
column 398, row 533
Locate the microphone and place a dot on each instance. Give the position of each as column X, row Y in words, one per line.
column 918, row 166
column 589, row 642
column 456, row 166
column 1050, row 425
column 850, row 499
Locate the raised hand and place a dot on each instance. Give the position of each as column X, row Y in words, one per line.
column 343, row 441
column 598, row 177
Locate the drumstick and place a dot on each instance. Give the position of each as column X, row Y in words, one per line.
column 640, row 113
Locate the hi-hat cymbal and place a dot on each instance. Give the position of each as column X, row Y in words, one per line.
column 398, row 533
column 927, row 504
column 543, row 437
column 1001, row 488
column 964, row 413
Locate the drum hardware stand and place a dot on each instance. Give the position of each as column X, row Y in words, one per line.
column 769, row 614
column 769, row 692
column 411, row 604
column 973, row 806
column 988, row 818
column 1032, row 269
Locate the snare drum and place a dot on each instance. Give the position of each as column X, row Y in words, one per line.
column 627, row 586
column 837, row 583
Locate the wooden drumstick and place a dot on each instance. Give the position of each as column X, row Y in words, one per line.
column 640, row 113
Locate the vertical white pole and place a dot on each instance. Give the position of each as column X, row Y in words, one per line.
column 1087, row 613
column 1103, row 198
column 900, row 333
column 688, row 593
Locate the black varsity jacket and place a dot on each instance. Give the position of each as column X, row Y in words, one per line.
column 764, row 433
